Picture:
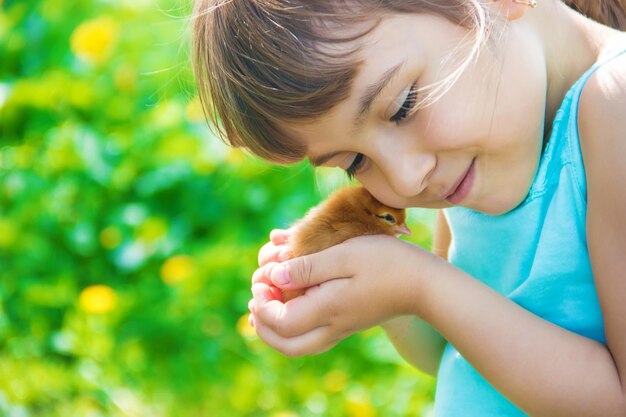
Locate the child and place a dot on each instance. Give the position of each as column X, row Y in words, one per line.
column 507, row 115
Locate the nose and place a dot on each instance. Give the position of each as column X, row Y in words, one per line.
column 408, row 174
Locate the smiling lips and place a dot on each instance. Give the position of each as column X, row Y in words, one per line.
column 463, row 187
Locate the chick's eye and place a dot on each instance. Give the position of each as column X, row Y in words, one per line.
column 407, row 106
column 387, row 217
column 356, row 165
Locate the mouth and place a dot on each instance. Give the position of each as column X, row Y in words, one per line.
column 463, row 186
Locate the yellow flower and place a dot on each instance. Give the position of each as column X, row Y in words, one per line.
column 359, row 405
column 98, row 299
column 177, row 269
column 360, row 409
column 93, row 40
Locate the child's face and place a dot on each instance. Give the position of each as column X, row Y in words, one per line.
column 490, row 120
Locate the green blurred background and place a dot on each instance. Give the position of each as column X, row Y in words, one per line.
column 128, row 235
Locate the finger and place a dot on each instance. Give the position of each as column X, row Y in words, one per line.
column 262, row 295
column 313, row 342
column 269, row 253
column 277, row 294
column 262, row 274
column 294, row 318
column 279, row 236
column 309, row 270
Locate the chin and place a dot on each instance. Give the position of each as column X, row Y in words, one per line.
column 501, row 205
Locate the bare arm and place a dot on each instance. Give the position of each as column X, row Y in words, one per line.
column 414, row 339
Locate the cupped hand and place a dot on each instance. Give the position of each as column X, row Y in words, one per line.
column 276, row 249
column 351, row 286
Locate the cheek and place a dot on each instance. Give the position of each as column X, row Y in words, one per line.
column 445, row 127
column 375, row 183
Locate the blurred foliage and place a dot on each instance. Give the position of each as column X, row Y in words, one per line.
column 128, row 235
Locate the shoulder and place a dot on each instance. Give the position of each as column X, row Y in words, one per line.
column 603, row 104
column 602, row 125
column 602, row 131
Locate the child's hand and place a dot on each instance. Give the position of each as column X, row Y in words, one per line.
column 354, row 285
column 275, row 250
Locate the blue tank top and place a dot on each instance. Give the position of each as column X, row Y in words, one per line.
column 536, row 255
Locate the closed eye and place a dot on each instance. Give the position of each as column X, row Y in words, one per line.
column 407, row 106
column 356, row 165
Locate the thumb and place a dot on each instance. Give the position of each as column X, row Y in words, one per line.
column 309, row 270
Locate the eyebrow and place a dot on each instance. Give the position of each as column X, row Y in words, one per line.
column 373, row 91
column 371, row 94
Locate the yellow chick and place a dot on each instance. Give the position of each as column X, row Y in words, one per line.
column 348, row 212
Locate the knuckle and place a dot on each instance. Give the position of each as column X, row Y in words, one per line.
column 327, row 307
column 304, row 271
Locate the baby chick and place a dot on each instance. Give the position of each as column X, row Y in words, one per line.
column 347, row 213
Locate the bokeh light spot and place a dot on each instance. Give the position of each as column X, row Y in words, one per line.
column 98, row 299
column 110, row 237
column 177, row 269
column 8, row 234
column 94, row 39
column 244, row 328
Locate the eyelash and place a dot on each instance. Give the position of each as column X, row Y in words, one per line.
column 356, row 165
column 400, row 115
column 406, row 107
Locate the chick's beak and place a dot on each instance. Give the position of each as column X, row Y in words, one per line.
column 402, row 229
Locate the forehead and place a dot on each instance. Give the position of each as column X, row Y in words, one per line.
column 417, row 39
column 412, row 41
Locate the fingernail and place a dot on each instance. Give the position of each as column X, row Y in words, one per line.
column 280, row 275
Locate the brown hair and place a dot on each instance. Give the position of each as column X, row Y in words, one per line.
column 258, row 62
column 608, row 12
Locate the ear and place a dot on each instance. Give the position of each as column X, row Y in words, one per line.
column 513, row 9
